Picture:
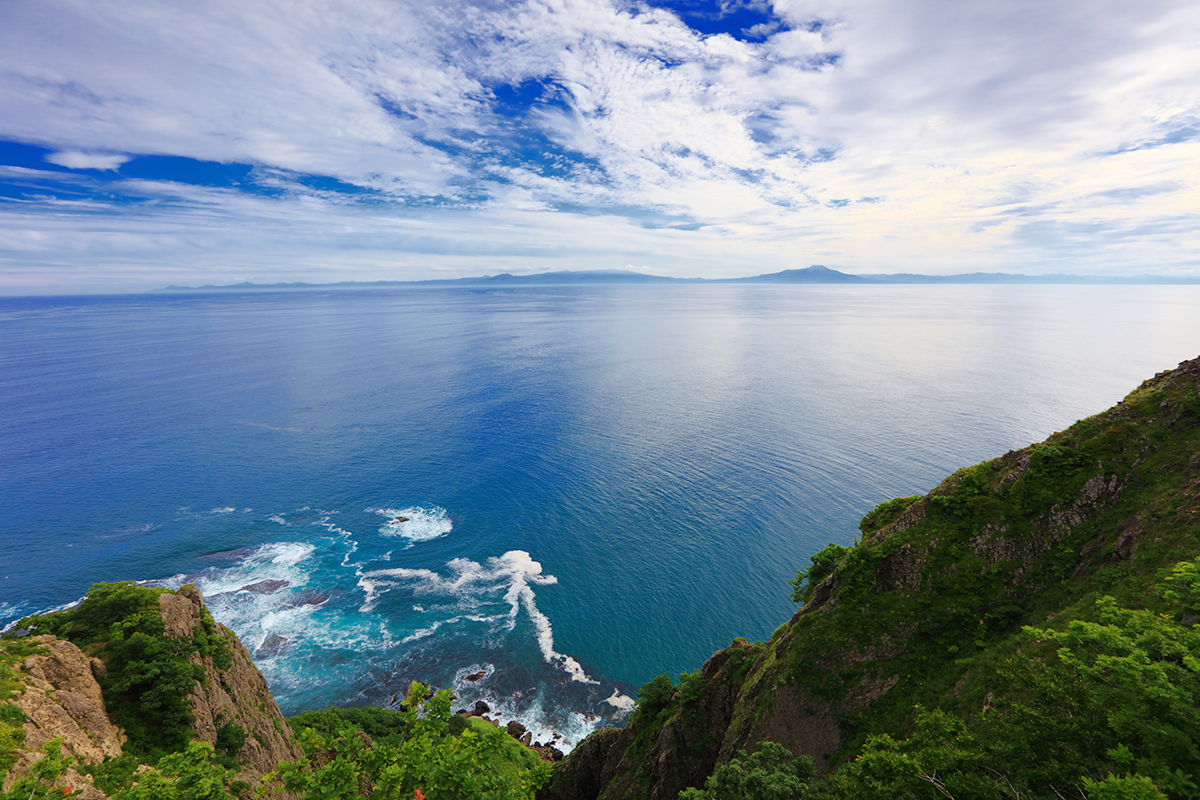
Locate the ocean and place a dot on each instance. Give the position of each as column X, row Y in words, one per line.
column 540, row 497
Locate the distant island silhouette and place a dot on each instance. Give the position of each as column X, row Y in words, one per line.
column 817, row 273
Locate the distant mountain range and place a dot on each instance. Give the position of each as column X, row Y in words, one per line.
column 814, row 274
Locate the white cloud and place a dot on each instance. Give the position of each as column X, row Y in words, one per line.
column 919, row 135
column 74, row 159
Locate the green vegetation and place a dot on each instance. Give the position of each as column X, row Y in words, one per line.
column 885, row 514
column 770, row 774
column 39, row 783
column 149, row 676
column 425, row 748
column 823, row 564
column 655, row 695
column 193, row 774
column 12, row 735
column 1107, row 706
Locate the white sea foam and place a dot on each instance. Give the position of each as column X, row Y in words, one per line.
column 415, row 523
column 471, row 585
column 228, row 510
column 621, row 702
column 548, row 726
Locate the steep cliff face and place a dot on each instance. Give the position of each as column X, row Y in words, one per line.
column 657, row 759
column 911, row 612
column 233, row 695
column 59, row 693
column 60, row 698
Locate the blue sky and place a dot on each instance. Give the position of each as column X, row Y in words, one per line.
column 147, row 142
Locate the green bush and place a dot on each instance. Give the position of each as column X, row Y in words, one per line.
column 480, row 762
column 1110, row 707
column 655, row 695
column 885, row 514
column 822, row 566
column 230, row 738
column 770, row 774
column 39, row 783
column 193, row 774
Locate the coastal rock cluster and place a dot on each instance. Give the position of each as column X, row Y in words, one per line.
column 546, row 751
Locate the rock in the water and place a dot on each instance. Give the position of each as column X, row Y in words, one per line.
column 268, row 586
column 481, row 708
column 272, row 646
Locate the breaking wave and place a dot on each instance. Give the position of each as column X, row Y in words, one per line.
column 415, row 523
column 330, row 621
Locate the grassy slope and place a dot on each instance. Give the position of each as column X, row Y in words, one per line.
column 932, row 598
column 1030, row 538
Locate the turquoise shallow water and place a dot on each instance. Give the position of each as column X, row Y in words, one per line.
column 600, row 483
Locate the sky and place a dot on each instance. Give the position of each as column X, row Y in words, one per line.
column 154, row 142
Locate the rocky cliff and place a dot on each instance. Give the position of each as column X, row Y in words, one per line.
column 59, row 694
column 60, row 698
column 919, row 609
column 234, row 695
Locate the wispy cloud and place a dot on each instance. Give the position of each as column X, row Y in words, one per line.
column 381, row 138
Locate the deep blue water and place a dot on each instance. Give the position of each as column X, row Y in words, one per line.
column 602, row 483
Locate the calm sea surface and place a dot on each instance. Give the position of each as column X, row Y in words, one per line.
column 600, row 484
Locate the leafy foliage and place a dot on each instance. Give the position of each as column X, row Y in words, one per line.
column 770, row 774
column 886, row 513
column 193, row 774
column 420, row 752
column 1111, row 707
column 821, row 566
column 655, row 695
column 39, row 784
column 381, row 724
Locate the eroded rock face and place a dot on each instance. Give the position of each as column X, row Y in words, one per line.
column 237, row 695
column 63, row 700
column 679, row 754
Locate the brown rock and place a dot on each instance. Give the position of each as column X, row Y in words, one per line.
column 265, row 587
column 237, row 696
column 62, row 698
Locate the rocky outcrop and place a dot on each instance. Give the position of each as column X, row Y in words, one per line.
column 656, row 757
column 237, row 695
column 62, row 700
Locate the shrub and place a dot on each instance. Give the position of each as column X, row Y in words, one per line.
column 655, row 695
column 822, row 566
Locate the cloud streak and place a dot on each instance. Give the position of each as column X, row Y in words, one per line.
column 469, row 137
